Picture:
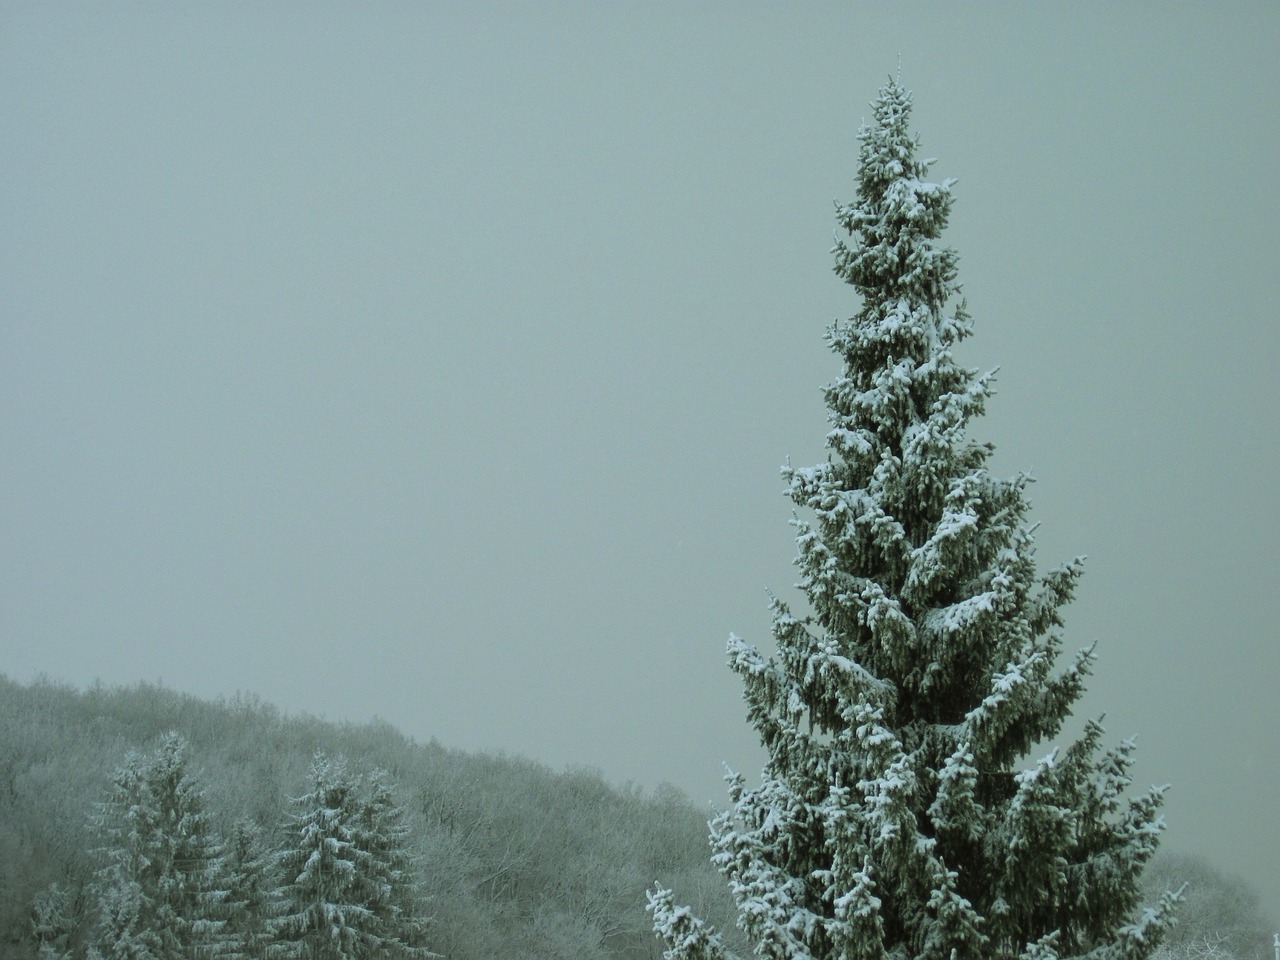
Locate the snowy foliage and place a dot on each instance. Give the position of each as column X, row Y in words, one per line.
column 897, row 815
column 395, row 900
column 246, row 900
column 688, row 937
column 157, row 895
column 52, row 924
column 512, row 859
column 1220, row 916
column 346, row 889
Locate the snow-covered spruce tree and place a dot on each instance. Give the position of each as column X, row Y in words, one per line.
column 246, row 906
column 898, row 815
column 52, row 922
column 323, row 911
column 394, row 896
column 157, row 894
column 347, row 888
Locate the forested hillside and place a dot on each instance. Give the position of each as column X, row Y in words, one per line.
column 511, row 859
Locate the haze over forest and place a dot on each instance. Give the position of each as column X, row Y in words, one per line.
column 437, row 364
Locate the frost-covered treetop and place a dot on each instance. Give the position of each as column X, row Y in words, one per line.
column 897, row 213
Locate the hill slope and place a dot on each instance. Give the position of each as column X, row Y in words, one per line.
column 516, row 860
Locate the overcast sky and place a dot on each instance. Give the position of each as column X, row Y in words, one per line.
column 437, row 362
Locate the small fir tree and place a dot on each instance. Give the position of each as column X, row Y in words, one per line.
column 157, row 894
column 52, row 922
column 895, row 817
column 246, row 903
column 127, row 923
column 392, row 880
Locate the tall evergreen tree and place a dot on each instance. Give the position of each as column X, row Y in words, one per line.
column 895, row 817
column 157, row 893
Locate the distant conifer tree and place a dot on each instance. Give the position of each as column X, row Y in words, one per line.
column 157, row 894
column 895, row 817
column 52, row 923
column 347, row 889
column 392, row 881
column 323, row 916
column 246, row 903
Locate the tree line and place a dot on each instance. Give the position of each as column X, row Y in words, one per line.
column 339, row 884
column 509, row 859
column 480, row 855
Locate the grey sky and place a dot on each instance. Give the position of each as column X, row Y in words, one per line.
column 437, row 362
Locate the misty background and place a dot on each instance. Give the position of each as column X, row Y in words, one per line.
column 436, row 363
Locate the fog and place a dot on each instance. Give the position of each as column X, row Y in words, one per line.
column 436, row 364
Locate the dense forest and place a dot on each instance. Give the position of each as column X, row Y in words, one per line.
column 508, row 858
column 511, row 858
